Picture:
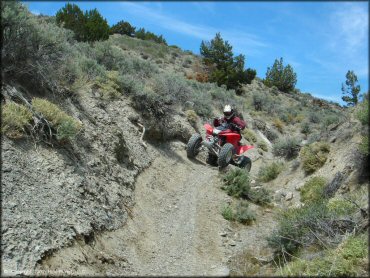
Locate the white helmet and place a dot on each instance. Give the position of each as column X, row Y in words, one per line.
column 228, row 112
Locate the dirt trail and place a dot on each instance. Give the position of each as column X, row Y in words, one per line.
column 175, row 228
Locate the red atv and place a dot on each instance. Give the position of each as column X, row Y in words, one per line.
column 223, row 147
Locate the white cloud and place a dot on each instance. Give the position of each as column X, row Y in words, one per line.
column 35, row 12
column 351, row 23
column 240, row 40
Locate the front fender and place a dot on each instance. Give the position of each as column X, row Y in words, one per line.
column 208, row 128
column 245, row 148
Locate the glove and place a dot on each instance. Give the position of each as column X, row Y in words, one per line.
column 216, row 122
column 234, row 127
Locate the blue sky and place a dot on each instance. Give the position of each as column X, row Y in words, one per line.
column 321, row 40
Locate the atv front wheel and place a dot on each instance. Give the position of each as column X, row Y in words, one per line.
column 245, row 163
column 192, row 148
column 226, row 155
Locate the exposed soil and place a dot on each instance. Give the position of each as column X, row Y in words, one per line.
column 175, row 226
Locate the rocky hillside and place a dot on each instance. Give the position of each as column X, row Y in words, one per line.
column 95, row 179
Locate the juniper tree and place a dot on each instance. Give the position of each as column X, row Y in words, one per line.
column 284, row 78
column 146, row 35
column 71, row 17
column 96, row 27
column 351, row 89
column 224, row 68
column 88, row 26
column 123, row 28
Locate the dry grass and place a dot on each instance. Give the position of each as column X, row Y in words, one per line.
column 66, row 126
column 15, row 118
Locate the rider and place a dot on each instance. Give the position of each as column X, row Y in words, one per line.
column 235, row 122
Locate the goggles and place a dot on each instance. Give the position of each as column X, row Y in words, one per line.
column 227, row 114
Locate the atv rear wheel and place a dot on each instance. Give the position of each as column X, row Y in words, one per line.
column 192, row 148
column 226, row 155
column 245, row 163
column 212, row 159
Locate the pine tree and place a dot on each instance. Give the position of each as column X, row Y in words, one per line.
column 123, row 28
column 71, row 17
column 218, row 52
column 351, row 89
column 223, row 67
column 284, row 78
column 146, row 35
column 96, row 27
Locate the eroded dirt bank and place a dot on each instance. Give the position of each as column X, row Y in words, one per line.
column 175, row 227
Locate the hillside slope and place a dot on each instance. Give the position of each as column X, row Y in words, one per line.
column 112, row 199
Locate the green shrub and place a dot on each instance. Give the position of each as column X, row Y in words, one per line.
column 218, row 94
column 259, row 101
column 284, row 78
column 89, row 68
column 329, row 120
column 108, row 54
column 313, row 190
column 313, row 137
column 15, row 118
column 66, row 126
column 349, row 259
column 364, row 145
column 299, row 118
column 249, row 135
column 262, row 145
column 314, row 156
column 272, row 105
column 271, row 134
column 108, row 86
column 284, row 117
column 260, row 196
column 171, row 88
column 191, row 116
column 270, row 172
column 341, row 206
column 243, row 214
column 297, row 226
column 363, row 112
column 202, row 105
column 354, row 247
column 129, row 84
column 164, row 90
column 237, row 183
column 67, row 130
column 34, row 51
column 278, row 124
column 227, row 213
column 149, row 102
column 313, row 117
column 286, row 147
column 306, row 129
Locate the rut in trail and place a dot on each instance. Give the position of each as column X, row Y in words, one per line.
column 174, row 228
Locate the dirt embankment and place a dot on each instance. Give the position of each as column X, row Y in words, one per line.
column 174, row 228
column 54, row 194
